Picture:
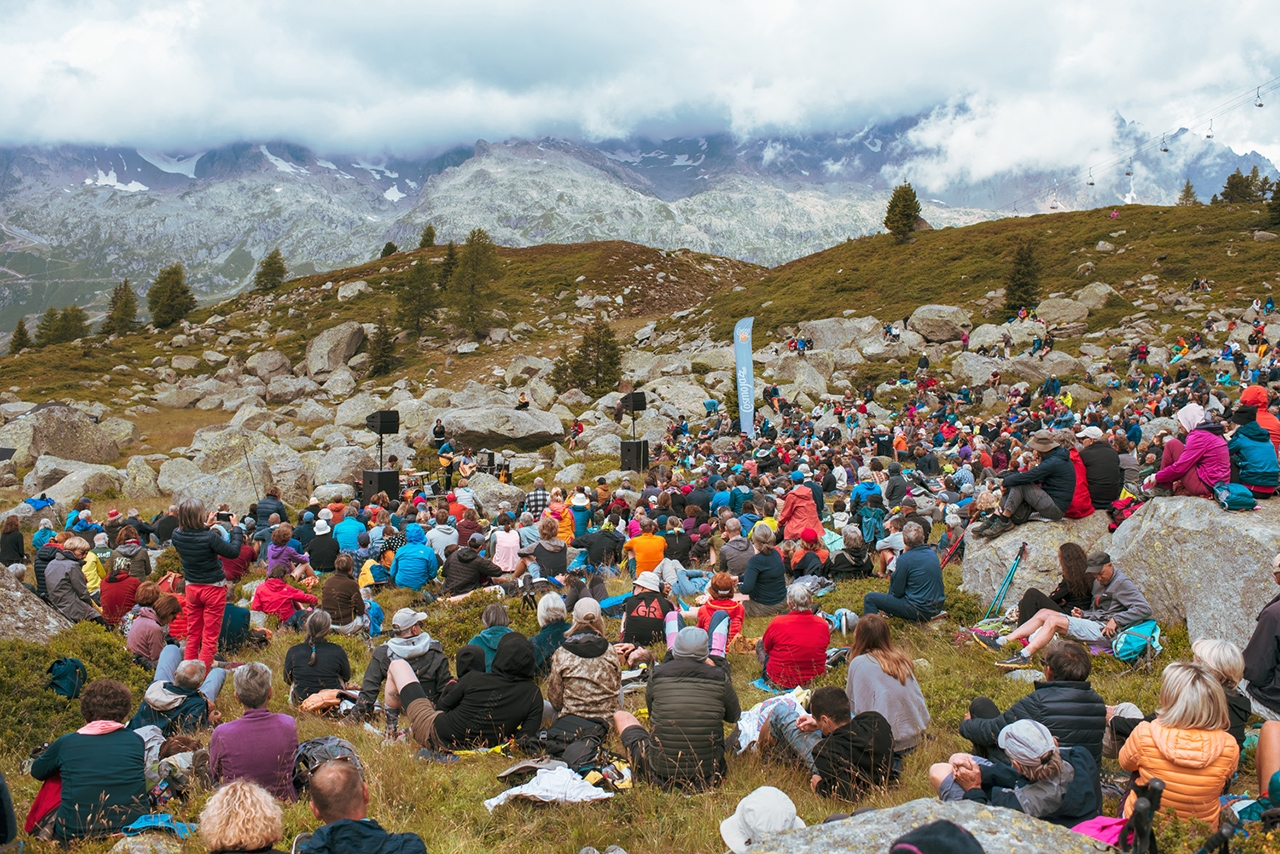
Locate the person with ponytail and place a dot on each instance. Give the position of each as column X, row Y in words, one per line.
column 316, row 664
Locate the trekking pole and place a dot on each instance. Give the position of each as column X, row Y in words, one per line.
column 946, row 559
column 998, row 601
column 249, row 466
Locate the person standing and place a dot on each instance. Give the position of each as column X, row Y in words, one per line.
column 199, row 548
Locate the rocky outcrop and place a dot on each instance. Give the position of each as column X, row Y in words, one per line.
column 24, row 617
column 1053, row 311
column 333, row 347
column 1094, row 296
column 61, row 432
column 353, row 412
column 65, row 481
column 1034, row 370
column 267, row 364
column 998, row 831
column 140, row 479
column 497, row 427
column 491, row 492
column 973, row 369
column 940, row 322
column 239, row 486
column 986, row 562
column 343, row 465
column 285, row 388
column 1197, row 562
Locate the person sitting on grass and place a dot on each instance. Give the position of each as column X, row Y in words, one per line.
column 844, row 755
column 316, row 664
column 916, row 592
column 794, row 647
column 852, row 561
column 720, row 597
column 644, row 612
column 241, row 816
column 259, row 745
column 279, row 598
column 690, row 698
column 340, row 798
column 1262, row 658
column 1117, row 604
column 497, row 623
column 1064, row 702
column 341, row 598
column 764, row 580
column 479, row 709
column 413, row 645
column 882, row 679
column 1057, row 785
column 415, row 562
column 102, row 764
column 585, row 678
column 181, row 698
column 281, row 554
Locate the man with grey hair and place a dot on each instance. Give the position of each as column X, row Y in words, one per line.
column 260, row 745
column 528, row 529
column 166, row 525
column 916, row 592
column 538, row 499
column 736, row 551
column 182, row 696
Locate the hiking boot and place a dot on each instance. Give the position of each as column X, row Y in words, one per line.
column 998, row 526
column 989, row 641
column 1014, row 662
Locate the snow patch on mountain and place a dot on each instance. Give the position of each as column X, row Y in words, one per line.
column 282, row 165
column 393, row 194
column 172, row 165
column 373, row 169
column 110, row 180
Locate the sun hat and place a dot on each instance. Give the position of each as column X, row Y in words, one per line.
column 322, row 527
column 580, row 500
column 766, row 810
column 649, row 581
column 1043, row 441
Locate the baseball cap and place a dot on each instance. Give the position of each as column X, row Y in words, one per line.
column 1026, row 741
column 407, row 618
column 1095, row 563
column 649, row 581
column 476, row 540
column 797, row 477
column 766, row 810
column 1090, row 432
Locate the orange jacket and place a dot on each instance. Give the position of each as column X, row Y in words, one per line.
column 799, row 512
column 1195, row 765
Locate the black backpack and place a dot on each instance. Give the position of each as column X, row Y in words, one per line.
column 314, row 752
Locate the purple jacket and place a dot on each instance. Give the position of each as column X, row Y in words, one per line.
column 277, row 555
column 1206, row 452
column 258, row 747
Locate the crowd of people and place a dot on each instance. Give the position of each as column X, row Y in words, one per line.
column 716, row 533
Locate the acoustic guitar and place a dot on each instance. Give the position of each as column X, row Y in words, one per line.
column 466, row 469
column 445, row 460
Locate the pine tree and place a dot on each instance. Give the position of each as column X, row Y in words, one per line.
column 170, row 299
column 1274, row 206
column 271, row 272
column 595, row 366
column 47, row 327
column 73, row 323
column 904, row 209
column 21, row 340
column 471, row 288
column 428, row 237
column 1023, row 285
column 1242, row 189
column 415, row 297
column 389, row 249
column 448, row 265
column 1187, row 198
column 122, row 313
column 382, row 348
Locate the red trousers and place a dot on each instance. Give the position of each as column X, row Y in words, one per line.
column 205, row 606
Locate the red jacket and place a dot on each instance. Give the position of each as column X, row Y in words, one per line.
column 799, row 512
column 276, row 596
column 117, row 593
column 736, row 610
column 796, row 646
column 1081, row 503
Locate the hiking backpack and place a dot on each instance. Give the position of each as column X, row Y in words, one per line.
column 314, row 752
column 1138, row 644
column 66, row 677
column 872, row 525
column 1234, row 496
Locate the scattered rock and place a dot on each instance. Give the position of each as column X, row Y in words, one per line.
column 285, row 388
column 351, row 290
column 140, row 479
column 490, row 491
column 185, row 363
column 344, row 465
column 213, row 357
column 1263, row 235
column 1094, row 296
column 1104, row 246
column 267, row 364
column 60, row 431
column 23, row 616
column 1053, row 311
column 940, row 322
column 331, row 349
column 121, row 431
column 571, row 475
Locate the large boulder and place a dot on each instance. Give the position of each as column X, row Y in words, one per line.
column 286, row 388
column 86, row 480
column 343, row 465
column 267, row 364
column 998, row 831
column 1196, row 562
column 49, row 469
column 140, row 479
column 331, row 349
column 57, row 514
column 992, row 334
column 352, row 412
column 1053, row 311
column 1034, row 370
column 491, row 492
column 121, row 431
column 497, row 427
column 986, row 562
column 1094, row 296
column 239, row 486
column 832, row 333
column 175, row 473
column 973, row 369
column 940, row 322
column 23, row 616
column 877, row 350
column 60, row 431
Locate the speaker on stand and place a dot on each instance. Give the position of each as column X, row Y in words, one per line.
column 635, row 452
column 384, row 422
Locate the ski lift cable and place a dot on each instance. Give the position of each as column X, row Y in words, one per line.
column 1127, row 157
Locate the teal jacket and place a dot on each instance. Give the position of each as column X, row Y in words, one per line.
column 1253, row 457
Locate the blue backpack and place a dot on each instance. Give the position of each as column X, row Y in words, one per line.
column 872, row 525
column 1234, row 496
column 1139, row 641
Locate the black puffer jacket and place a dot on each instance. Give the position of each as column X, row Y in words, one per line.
column 1072, row 711
column 465, row 570
column 267, row 505
column 199, row 552
column 689, row 703
column 44, row 554
column 1055, row 475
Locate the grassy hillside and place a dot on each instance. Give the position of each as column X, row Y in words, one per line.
column 956, row 266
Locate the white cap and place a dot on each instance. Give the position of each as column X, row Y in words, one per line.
column 407, row 618
column 1091, row 432
column 766, row 810
column 649, row 581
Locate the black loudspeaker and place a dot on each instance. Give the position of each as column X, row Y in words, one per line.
column 635, row 455
column 385, row 422
column 380, row 480
column 485, row 460
column 634, row 402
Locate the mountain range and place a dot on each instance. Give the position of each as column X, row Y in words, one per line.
column 74, row 220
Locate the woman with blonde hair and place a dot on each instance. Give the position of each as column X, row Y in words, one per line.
column 242, row 817
column 882, row 679
column 1224, row 660
column 1186, row 746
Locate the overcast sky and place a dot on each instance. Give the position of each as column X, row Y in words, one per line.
column 1041, row 85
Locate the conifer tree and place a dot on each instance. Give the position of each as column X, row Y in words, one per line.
column 1187, row 198
column 382, row 348
column 271, row 272
column 389, row 249
column 471, row 287
column 415, row 297
column 904, row 209
column 21, row 339
column 1023, row 285
column 47, row 327
column 73, row 323
column 448, row 265
column 122, row 313
column 428, row 237
column 170, row 299
column 1274, row 205
column 595, row 366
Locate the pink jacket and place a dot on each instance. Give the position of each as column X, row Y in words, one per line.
column 1206, row 452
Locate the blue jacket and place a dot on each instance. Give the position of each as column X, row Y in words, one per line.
column 1253, row 456
column 720, row 499
column 864, row 490
column 917, row 578
column 366, row 836
column 267, row 505
column 415, row 562
column 581, row 520
column 347, row 533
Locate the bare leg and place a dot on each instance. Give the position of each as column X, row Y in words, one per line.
column 622, row 720
column 938, row 772
column 1030, row 627
column 1268, row 756
column 1055, row 623
column 399, row 674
